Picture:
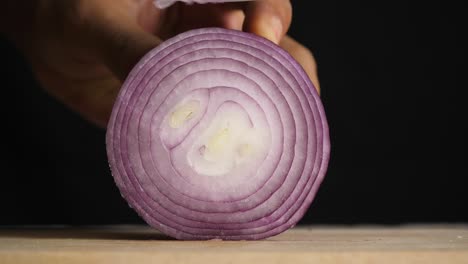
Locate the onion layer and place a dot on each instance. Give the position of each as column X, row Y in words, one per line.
column 218, row 134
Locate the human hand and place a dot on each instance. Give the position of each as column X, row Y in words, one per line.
column 81, row 50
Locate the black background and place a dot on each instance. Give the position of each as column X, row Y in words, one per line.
column 393, row 80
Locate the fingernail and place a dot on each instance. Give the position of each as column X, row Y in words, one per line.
column 276, row 29
column 272, row 29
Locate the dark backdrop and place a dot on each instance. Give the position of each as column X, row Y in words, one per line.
column 393, row 80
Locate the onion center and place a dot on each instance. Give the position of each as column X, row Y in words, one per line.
column 229, row 140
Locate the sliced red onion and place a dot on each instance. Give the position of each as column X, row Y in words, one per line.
column 166, row 3
column 218, row 134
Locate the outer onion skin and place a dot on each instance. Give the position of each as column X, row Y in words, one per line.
column 204, row 79
column 167, row 3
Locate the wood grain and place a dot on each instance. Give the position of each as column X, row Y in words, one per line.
column 318, row 244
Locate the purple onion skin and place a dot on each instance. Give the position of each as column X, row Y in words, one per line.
column 218, row 134
column 167, row 3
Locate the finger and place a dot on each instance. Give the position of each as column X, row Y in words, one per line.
column 304, row 57
column 268, row 18
column 91, row 98
column 231, row 15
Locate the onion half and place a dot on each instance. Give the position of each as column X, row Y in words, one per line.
column 218, row 134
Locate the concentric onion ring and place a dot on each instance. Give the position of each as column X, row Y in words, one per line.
column 218, row 134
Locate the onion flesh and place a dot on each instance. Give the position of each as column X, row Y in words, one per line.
column 218, row 134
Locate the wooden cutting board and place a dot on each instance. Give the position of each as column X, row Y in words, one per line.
column 317, row 244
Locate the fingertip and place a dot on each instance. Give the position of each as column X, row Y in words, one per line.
column 270, row 28
column 269, row 19
column 233, row 19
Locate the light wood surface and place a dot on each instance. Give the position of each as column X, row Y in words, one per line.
column 317, row 244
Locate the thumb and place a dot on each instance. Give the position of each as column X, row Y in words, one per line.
column 125, row 49
column 121, row 49
column 118, row 41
